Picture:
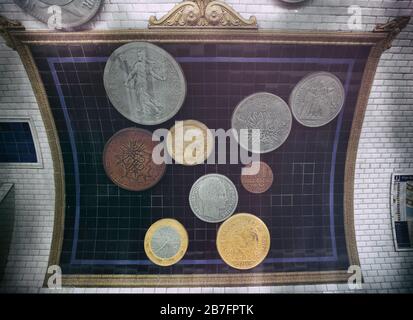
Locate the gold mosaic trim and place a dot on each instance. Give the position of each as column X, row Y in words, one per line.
column 200, row 36
column 207, row 280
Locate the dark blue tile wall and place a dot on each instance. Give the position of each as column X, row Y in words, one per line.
column 16, row 143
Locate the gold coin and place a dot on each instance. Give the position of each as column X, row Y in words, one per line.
column 243, row 241
column 189, row 142
column 166, row 242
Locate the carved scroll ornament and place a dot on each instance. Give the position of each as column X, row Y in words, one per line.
column 203, row 13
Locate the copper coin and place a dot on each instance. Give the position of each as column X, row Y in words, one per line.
column 127, row 159
column 261, row 178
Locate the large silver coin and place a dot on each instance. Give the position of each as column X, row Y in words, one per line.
column 266, row 112
column 213, row 198
column 144, row 83
column 317, row 99
column 74, row 13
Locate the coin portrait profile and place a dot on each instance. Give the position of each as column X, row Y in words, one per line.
column 213, row 195
column 213, row 198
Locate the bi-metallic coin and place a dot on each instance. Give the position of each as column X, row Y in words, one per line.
column 166, row 242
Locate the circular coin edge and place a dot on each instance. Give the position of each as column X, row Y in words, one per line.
column 200, row 125
column 110, row 177
column 308, row 76
column 267, row 232
column 182, row 249
column 278, row 98
column 227, row 179
column 173, row 61
column 272, row 180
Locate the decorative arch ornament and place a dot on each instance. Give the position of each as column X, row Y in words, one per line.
column 203, row 14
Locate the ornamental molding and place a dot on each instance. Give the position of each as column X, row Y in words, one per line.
column 6, row 26
column 392, row 28
column 203, row 14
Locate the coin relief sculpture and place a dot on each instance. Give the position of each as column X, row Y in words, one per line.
column 213, row 198
column 259, row 182
column 74, row 13
column 317, row 99
column 243, row 241
column 189, row 142
column 127, row 160
column 147, row 86
column 269, row 114
column 144, row 83
column 166, row 242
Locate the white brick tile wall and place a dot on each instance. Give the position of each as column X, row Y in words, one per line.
column 386, row 142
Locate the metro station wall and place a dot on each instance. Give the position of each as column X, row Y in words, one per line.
column 386, row 143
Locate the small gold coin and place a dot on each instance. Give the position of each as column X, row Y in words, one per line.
column 243, row 241
column 189, row 142
column 166, row 242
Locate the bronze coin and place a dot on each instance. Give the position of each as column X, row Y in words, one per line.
column 259, row 182
column 243, row 241
column 127, row 159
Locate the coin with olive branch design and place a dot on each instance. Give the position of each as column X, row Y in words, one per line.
column 265, row 113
